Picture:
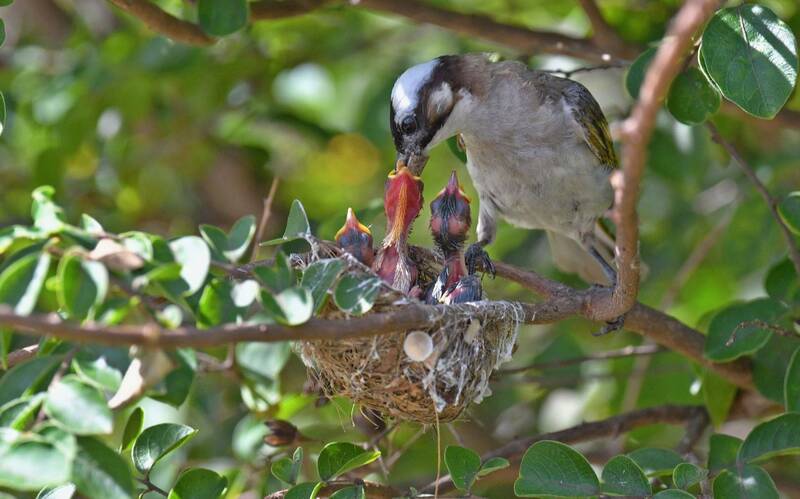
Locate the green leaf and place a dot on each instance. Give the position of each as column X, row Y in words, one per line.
column 656, row 462
column 622, row 476
column 278, row 277
column 751, row 55
column 157, row 441
column 288, row 469
column 692, row 99
column 132, row 428
column 297, row 226
column 746, row 482
column 222, row 17
column 356, row 294
column 175, row 387
column 306, row 490
column 635, row 76
column 14, row 233
column 231, row 246
column 170, row 316
column 337, row 458
column 463, row 465
column 492, row 465
column 351, row 492
column 777, row 436
column 216, row 305
column 292, row 306
column 100, row 473
column 722, row 451
column 78, row 407
column 319, row 277
column 198, row 483
column 718, row 396
column 91, row 225
column 674, row 494
column 452, row 144
column 687, row 475
column 28, row 462
column 94, row 369
column 18, row 413
column 2, row 115
column 22, row 281
column 770, row 364
column 791, row 384
column 27, row 378
column 47, row 216
column 82, row 286
column 782, row 282
column 265, row 360
column 194, row 257
column 747, row 339
column 789, row 210
column 551, row 468
column 2, row 32
column 65, row 491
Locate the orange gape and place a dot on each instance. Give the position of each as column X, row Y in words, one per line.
column 402, row 201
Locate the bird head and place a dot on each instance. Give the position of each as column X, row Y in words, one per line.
column 450, row 216
column 356, row 239
column 428, row 105
column 402, row 201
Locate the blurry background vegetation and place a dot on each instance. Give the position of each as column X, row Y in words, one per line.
column 143, row 133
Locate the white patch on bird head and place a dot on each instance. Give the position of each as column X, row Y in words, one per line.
column 405, row 93
column 459, row 120
column 440, row 100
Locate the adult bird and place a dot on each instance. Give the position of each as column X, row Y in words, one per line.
column 538, row 150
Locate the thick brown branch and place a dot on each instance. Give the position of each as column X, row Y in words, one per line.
column 636, row 132
column 604, row 35
column 772, row 203
column 21, row 355
column 611, row 427
column 162, row 22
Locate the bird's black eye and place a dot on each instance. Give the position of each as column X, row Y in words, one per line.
column 408, row 125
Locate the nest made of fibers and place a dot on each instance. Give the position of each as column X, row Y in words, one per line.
column 470, row 340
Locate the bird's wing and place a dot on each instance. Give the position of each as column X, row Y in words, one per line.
column 587, row 114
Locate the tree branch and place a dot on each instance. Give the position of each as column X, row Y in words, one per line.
column 164, row 23
column 772, row 203
column 629, row 351
column 372, row 489
column 604, row 34
column 264, row 10
column 21, row 355
column 611, row 427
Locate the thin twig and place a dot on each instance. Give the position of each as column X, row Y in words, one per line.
column 265, row 215
column 21, row 355
column 763, row 325
column 164, row 23
column 151, row 487
column 772, row 203
column 629, row 351
column 567, row 73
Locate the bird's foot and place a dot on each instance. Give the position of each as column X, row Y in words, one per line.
column 477, row 258
column 613, row 325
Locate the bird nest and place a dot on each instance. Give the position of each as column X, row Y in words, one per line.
column 469, row 340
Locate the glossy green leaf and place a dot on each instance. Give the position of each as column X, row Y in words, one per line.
column 100, row 473
column 319, row 277
column 288, row 469
column 463, row 465
column 65, row 491
column 656, row 462
column 718, row 396
column 2, row 114
column 27, row 378
column 170, row 316
column 622, row 476
column 351, row 492
column 791, row 390
column 82, row 286
column 745, row 482
column 245, row 293
column 28, row 462
column 777, row 436
column 194, row 257
column 199, row 483
column 635, row 76
column 551, row 468
column 770, row 364
column 292, row 306
column 452, row 144
column 279, row 276
column 47, row 215
column 722, row 452
column 19, row 413
column 789, row 209
column 692, row 99
column 782, row 282
column 2, row 32
column 297, row 225
column 216, row 305
column 157, row 441
column 356, row 294
column 719, row 346
column 22, row 281
column 231, row 246
column 78, row 407
column 674, row 494
column 751, row 55
column 265, row 360
column 306, row 490
column 686, row 475
column 96, row 371
column 132, row 428
column 493, row 464
column 222, row 17
column 337, row 458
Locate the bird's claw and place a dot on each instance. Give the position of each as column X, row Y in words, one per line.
column 610, row 326
column 477, row 258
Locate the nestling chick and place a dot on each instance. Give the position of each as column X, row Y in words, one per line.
column 450, row 223
column 538, row 150
column 402, row 204
column 356, row 239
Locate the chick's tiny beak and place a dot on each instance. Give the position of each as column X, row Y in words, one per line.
column 351, row 224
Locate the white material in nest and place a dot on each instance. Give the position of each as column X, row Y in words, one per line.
column 418, row 346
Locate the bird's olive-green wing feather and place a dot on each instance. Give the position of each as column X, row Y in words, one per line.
column 587, row 113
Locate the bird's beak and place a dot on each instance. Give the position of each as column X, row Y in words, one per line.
column 351, row 224
column 403, row 201
column 453, row 188
column 415, row 162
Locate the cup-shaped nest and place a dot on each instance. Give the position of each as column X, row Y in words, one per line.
column 413, row 379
